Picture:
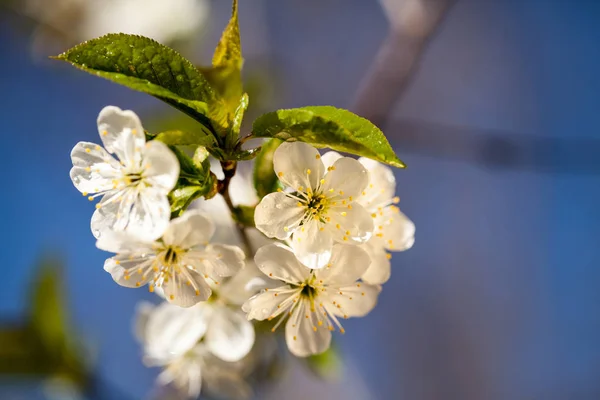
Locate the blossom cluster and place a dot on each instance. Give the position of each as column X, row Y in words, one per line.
column 326, row 248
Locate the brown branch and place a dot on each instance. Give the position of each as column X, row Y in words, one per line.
column 229, row 168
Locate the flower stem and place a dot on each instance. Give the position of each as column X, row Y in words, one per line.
column 229, row 168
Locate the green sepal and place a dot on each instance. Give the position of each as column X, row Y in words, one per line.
column 244, row 215
column 264, row 177
column 327, row 126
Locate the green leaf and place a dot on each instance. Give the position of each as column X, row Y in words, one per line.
column 48, row 314
column 229, row 49
column 265, row 179
column 58, row 349
column 225, row 75
column 195, row 180
column 180, row 138
column 181, row 198
column 325, row 365
column 327, row 126
column 147, row 66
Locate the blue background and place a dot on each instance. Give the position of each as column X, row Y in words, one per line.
column 499, row 297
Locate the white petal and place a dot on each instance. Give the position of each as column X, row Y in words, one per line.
column 230, row 336
column 264, row 305
column 380, row 269
column 303, row 335
column 161, row 167
column 222, row 260
column 144, row 214
column 245, row 284
column 122, row 133
column 171, row 331
column 277, row 215
column 143, row 310
column 346, row 266
column 312, row 244
column 130, row 271
column 350, row 224
column 121, row 242
column 348, row 178
column 186, row 290
column 278, row 261
column 193, row 228
column 94, row 170
column 398, row 230
column 381, row 188
column 330, row 158
column 298, row 164
column 355, row 301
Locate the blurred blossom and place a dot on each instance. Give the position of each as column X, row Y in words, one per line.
column 201, row 345
column 68, row 22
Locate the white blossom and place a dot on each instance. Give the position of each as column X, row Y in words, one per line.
column 180, row 263
column 319, row 208
column 312, row 300
column 197, row 347
column 134, row 189
column 393, row 231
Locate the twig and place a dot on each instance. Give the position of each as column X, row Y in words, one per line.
column 229, row 168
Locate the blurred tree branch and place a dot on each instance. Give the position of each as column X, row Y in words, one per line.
column 412, row 24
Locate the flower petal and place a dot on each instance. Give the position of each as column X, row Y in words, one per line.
column 381, row 188
column 130, row 271
column 303, row 334
column 380, row 269
column 278, row 261
column 330, row 158
column 143, row 214
column 346, row 266
column 230, row 336
column 264, row 305
column 245, row 283
column 122, row 134
column 143, row 310
column 171, row 331
column 277, row 215
column 223, row 260
column 347, row 178
column 398, row 231
column 186, row 288
column 298, row 165
column 312, row 244
column 193, row 228
column 355, row 301
column 350, row 224
column 94, row 170
column 161, row 167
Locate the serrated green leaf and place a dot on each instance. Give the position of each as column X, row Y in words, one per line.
column 327, row 126
column 147, row 66
column 265, row 179
column 181, row 138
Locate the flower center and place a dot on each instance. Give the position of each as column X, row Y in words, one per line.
column 317, row 206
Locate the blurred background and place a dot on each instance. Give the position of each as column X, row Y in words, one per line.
column 492, row 104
